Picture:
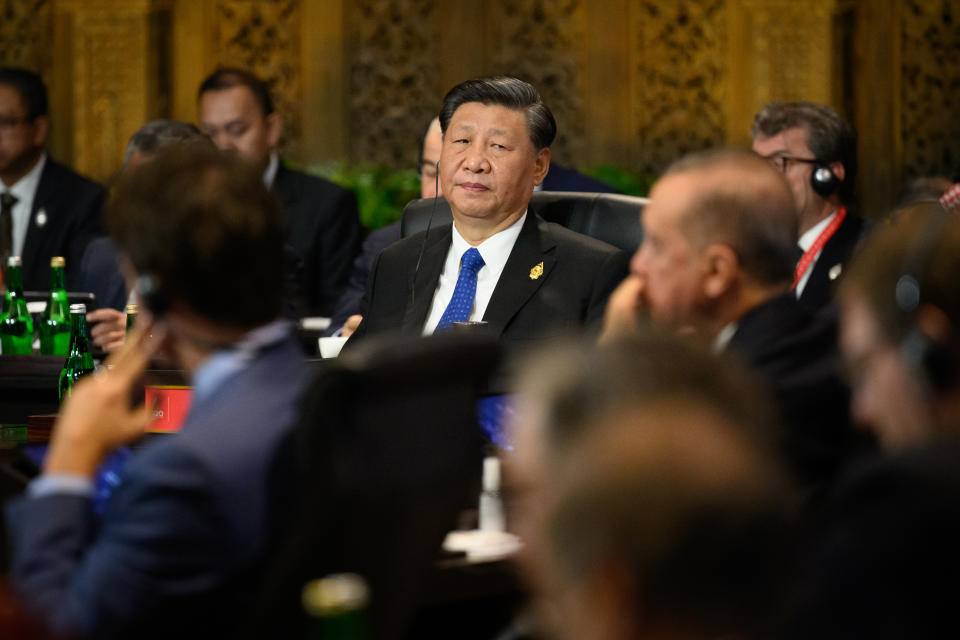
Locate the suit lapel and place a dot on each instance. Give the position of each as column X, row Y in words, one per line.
column 522, row 275
column 43, row 200
column 832, row 260
column 427, row 276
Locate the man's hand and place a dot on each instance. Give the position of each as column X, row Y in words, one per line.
column 624, row 309
column 350, row 326
column 97, row 417
column 109, row 328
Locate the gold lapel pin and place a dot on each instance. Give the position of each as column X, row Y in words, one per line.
column 536, row 272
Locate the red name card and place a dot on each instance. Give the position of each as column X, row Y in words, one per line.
column 170, row 407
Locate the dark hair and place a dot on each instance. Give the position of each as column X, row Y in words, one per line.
column 922, row 239
column 202, row 224
column 829, row 137
column 159, row 134
column 505, row 92
column 423, row 141
column 751, row 209
column 30, row 87
column 229, row 77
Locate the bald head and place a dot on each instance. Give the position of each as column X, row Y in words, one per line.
column 738, row 199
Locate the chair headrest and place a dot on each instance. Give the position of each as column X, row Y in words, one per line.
column 609, row 217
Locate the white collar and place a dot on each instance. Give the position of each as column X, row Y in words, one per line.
column 723, row 338
column 494, row 250
column 270, row 174
column 25, row 188
column 810, row 235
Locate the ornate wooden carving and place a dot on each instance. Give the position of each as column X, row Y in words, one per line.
column 930, row 86
column 680, row 76
column 25, row 34
column 393, row 78
column 263, row 36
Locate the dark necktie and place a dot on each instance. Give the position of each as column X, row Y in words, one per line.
column 464, row 292
column 7, row 200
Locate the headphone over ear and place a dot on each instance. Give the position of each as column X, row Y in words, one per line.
column 929, row 359
column 823, row 180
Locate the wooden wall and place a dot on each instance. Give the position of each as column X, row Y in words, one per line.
column 634, row 83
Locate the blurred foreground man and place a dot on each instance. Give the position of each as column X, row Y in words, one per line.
column 181, row 539
column 816, row 150
column 498, row 262
column 237, row 112
column 717, row 261
column 651, row 505
column 46, row 209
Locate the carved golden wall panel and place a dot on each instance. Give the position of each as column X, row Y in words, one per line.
column 393, row 90
column 930, row 86
column 536, row 40
column 263, row 36
column 679, row 79
column 26, row 32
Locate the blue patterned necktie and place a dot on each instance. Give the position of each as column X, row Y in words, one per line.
column 462, row 301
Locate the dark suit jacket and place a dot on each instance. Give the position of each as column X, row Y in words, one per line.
column 100, row 274
column 578, row 275
column 323, row 227
column 795, row 356
column 181, row 541
column 837, row 251
column 71, row 205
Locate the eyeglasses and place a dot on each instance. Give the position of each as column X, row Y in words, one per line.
column 781, row 163
column 9, row 122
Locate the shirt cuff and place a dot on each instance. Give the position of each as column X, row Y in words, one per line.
column 49, row 484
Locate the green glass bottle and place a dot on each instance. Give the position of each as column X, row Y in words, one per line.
column 79, row 360
column 131, row 317
column 54, row 326
column 337, row 607
column 16, row 325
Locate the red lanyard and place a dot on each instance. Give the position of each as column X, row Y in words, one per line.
column 808, row 256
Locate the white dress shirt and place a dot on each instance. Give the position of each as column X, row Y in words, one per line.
column 270, row 173
column 494, row 250
column 806, row 241
column 25, row 191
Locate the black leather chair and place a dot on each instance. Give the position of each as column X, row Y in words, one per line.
column 612, row 218
column 387, row 453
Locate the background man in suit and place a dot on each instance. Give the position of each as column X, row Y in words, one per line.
column 46, row 209
column 816, row 150
column 717, row 261
column 522, row 276
column 183, row 536
column 236, row 111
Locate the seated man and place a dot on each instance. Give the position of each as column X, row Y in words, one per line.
column 900, row 309
column 717, row 261
column 183, row 536
column 498, row 262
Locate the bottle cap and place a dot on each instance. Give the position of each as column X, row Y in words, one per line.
column 14, row 261
column 76, row 309
column 491, row 473
column 131, row 308
column 58, row 261
column 336, row 594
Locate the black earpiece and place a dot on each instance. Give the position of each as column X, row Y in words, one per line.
column 823, row 180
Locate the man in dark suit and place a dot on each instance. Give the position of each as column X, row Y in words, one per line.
column 183, row 537
column 717, row 261
column 236, row 111
column 816, row 150
column 46, row 209
column 525, row 278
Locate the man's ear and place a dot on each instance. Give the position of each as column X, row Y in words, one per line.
column 838, row 170
column 542, row 165
column 274, row 129
column 41, row 127
column 721, row 266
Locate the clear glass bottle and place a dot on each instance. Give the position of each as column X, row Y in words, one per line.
column 16, row 325
column 79, row 360
column 54, row 326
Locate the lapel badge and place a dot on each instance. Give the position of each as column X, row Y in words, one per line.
column 41, row 217
column 536, row 272
column 835, row 271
